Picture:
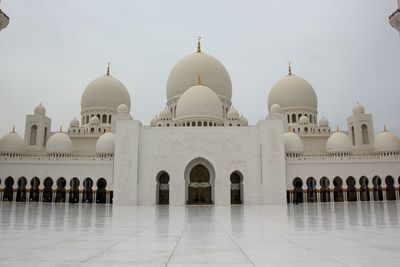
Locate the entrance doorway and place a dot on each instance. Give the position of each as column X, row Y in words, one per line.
column 199, row 187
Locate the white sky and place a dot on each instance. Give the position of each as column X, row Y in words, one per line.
column 345, row 48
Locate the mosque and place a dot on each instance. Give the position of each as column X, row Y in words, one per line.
column 200, row 150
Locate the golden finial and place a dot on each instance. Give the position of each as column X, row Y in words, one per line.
column 13, row 130
column 290, row 68
column 199, row 80
column 385, row 129
column 108, row 130
column 60, row 128
column 199, row 44
column 108, row 68
column 290, row 130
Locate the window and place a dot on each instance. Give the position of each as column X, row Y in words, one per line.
column 104, row 120
column 293, row 118
column 33, row 136
column 364, row 131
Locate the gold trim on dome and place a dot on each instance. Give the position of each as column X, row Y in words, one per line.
column 199, row 80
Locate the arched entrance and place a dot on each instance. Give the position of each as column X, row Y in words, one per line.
column 236, row 188
column 311, row 190
column 34, row 192
column 338, row 190
column 21, row 190
column 325, row 192
column 101, row 193
column 87, row 191
column 163, row 188
column 60, row 191
column 378, row 192
column 351, row 189
column 48, row 190
column 390, row 190
column 364, row 190
column 298, row 190
column 199, row 177
column 8, row 190
column 74, row 190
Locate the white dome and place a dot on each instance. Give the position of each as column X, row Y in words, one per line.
column 74, row 123
column 105, row 92
column 40, row 110
column 275, row 108
column 304, row 120
column 232, row 114
column 105, row 144
column 293, row 92
column 94, row 120
column 293, row 143
column 324, row 122
column 243, row 121
column 212, row 72
column 386, row 142
column 339, row 142
column 59, row 143
column 12, row 143
column 199, row 101
column 358, row 109
column 123, row 109
column 165, row 114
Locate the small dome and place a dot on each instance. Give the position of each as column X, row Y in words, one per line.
column 123, row 109
column 304, row 120
column 94, row 121
column 12, row 143
column 275, row 108
column 386, row 142
column 154, row 120
column 199, row 101
column 339, row 142
column 293, row 143
column 358, row 109
column 74, row 123
column 323, row 122
column 213, row 73
column 59, row 143
column 105, row 92
column 165, row 114
column 40, row 110
column 293, row 92
column 243, row 121
column 105, row 144
column 232, row 114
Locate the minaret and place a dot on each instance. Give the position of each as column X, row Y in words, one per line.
column 4, row 20
column 394, row 19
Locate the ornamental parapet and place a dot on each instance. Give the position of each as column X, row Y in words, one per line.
column 343, row 157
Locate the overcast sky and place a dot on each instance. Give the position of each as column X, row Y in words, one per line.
column 345, row 48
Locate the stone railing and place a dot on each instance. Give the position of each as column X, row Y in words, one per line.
column 38, row 157
column 354, row 157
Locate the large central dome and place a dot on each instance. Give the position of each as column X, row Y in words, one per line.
column 213, row 74
column 293, row 92
column 105, row 92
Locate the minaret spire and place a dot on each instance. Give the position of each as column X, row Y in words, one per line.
column 199, row 44
column 108, row 69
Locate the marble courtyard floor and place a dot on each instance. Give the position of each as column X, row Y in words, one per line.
column 342, row 234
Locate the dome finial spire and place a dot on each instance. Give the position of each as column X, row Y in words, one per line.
column 108, row 68
column 290, row 69
column 337, row 128
column 198, row 44
column 13, row 130
column 60, row 128
column 384, row 128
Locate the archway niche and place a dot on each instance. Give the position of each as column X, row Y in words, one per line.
column 364, row 190
column 101, row 192
column 48, row 190
column 311, row 190
column 338, row 189
column 298, row 190
column 377, row 190
column 74, row 190
column 8, row 193
column 236, row 188
column 199, row 180
column 325, row 192
column 351, row 189
column 21, row 190
column 390, row 189
column 162, row 195
column 60, row 191
column 87, row 196
column 34, row 192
